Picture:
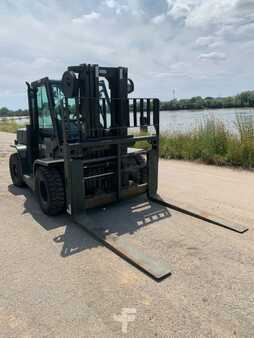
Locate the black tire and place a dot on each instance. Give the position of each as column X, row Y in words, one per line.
column 49, row 188
column 15, row 167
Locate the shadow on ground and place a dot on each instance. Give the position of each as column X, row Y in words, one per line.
column 118, row 219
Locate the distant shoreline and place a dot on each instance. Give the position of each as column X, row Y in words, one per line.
column 164, row 106
column 171, row 110
column 242, row 100
column 200, row 109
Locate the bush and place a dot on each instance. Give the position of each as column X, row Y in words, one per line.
column 9, row 126
column 212, row 143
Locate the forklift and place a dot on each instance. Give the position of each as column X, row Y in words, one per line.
column 80, row 151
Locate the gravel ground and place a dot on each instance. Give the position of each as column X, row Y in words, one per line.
column 57, row 281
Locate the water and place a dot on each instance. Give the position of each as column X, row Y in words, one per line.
column 185, row 120
column 19, row 119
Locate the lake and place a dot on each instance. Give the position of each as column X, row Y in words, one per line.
column 185, row 120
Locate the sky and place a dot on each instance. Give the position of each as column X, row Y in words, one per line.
column 194, row 47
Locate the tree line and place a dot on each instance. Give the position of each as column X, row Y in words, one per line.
column 5, row 112
column 244, row 99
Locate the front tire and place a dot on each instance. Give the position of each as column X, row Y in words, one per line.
column 49, row 188
column 15, row 167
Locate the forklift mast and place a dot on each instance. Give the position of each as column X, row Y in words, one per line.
column 84, row 84
column 103, row 155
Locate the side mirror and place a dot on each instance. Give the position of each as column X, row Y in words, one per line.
column 130, row 86
column 69, row 84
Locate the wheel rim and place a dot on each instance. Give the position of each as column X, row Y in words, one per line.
column 43, row 192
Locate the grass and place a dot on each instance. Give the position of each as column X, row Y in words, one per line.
column 212, row 143
column 9, row 126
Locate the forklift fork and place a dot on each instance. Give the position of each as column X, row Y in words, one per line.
column 209, row 218
column 155, row 268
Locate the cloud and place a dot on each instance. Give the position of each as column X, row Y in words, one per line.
column 111, row 3
column 175, row 70
column 118, row 7
column 182, row 42
column 216, row 44
column 210, row 12
column 215, row 56
column 245, row 6
column 158, row 19
column 86, row 18
column 211, row 42
column 204, row 41
column 202, row 13
column 180, row 8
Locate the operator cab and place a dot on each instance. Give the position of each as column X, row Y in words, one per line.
column 50, row 96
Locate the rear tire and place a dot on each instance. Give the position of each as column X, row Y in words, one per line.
column 15, row 167
column 49, row 188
